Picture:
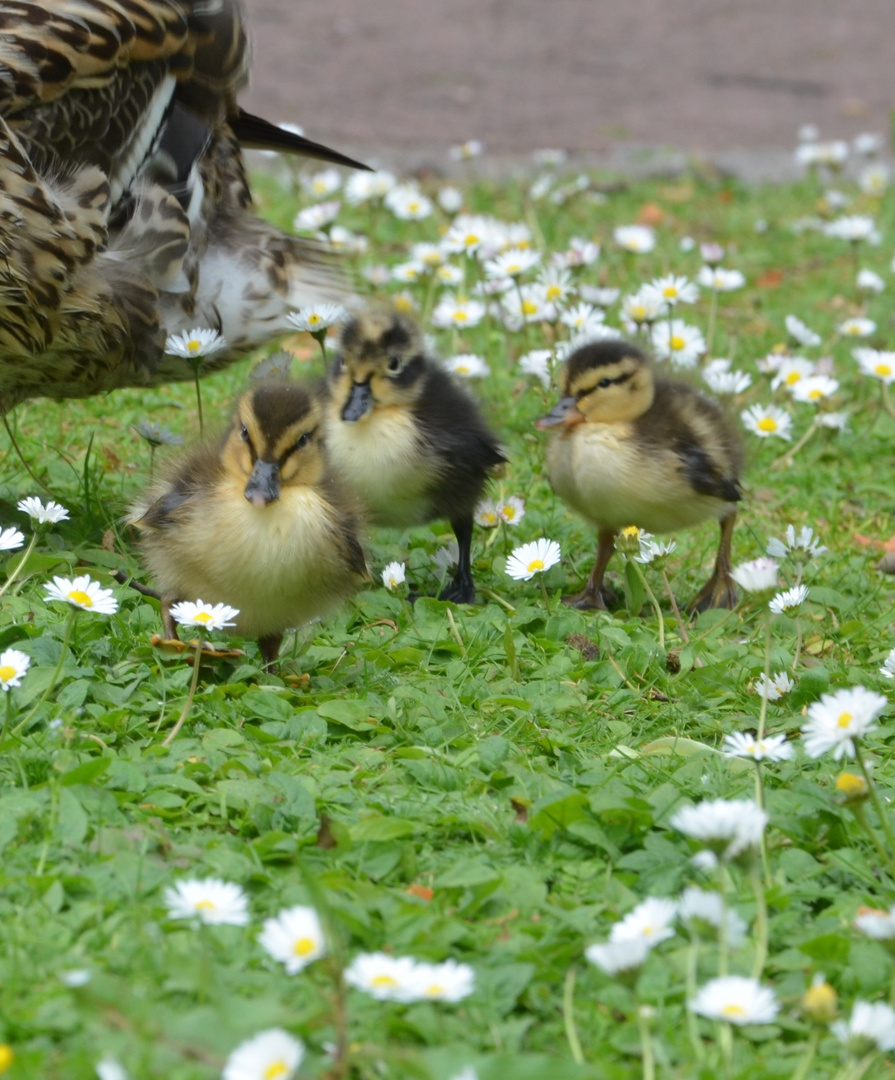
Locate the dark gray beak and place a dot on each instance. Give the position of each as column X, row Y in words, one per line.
column 565, row 412
column 264, row 483
column 359, row 403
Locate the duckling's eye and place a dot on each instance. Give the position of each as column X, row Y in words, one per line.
column 394, row 365
column 603, row 383
column 302, row 442
column 244, row 433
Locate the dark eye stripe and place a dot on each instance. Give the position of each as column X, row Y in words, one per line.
column 617, row 381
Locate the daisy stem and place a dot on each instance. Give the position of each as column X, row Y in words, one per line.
column 653, row 602
column 320, row 338
column 710, row 329
column 858, row 810
column 681, row 625
column 877, row 805
column 761, row 922
column 646, row 1042
column 197, row 660
column 763, row 847
column 803, row 1068
column 499, row 599
column 725, row 1037
column 7, row 717
column 763, row 709
column 568, row 1018
column 856, row 1069
column 54, row 678
column 199, row 400
column 20, row 563
column 455, row 633
column 786, row 458
column 724, row 924
column 887, row 400
column 15, row 445
column 692, row 976
column 546, row 596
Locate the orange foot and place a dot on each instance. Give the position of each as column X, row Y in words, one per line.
column 177, row 647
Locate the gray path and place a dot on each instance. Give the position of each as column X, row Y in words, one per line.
column 590, row 76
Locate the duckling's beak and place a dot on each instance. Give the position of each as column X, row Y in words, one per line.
column 264, row 483
column 566, row 412
column 359, row 403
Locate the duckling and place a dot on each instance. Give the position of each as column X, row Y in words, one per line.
column 629, row 448
column 404, row 438
column 256, row 521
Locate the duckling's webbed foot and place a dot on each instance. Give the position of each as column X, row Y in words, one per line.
column 462, row 589
column 719, row 591
column 595, row 596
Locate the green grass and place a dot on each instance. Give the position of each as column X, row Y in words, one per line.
column 482, row 789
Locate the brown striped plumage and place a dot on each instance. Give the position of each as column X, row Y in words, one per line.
column 125, row 214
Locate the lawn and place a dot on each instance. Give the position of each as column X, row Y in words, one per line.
column 502, row 784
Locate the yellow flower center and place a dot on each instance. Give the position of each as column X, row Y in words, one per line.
column 314, row 319
column 669, row 292
column 403, row 303
column 508, row 514
column 194, row 346
column 844, row 719
column 304, row 946
column 202, row 617
column 882, row 369
column 7, row 673
column 677, row 342
column 646, row 931
column 460, row 316
column 275, row 1070
column 850, row 785
column 383, row 980
column 793, row 377
column 410, row 273
column 631, row 532
column 204, row 905
column 78, row 596
column 413, row 207
column 638, row 313
column 767, row 423
column 514, row 268
column 462, row 369
column 470, row 240
column 535, row 564
column 434, row 990
column 529, row 307
column 731, row 1011
column 554, row 292
column 490, row 518
column 815, row 394
column 6, row 1056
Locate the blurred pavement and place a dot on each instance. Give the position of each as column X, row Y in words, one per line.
column 611, row 80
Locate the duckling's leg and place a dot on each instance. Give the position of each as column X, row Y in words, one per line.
column 719, row 590
column 168, row 624
column 270, row 648
column 462, row 589
column 592, row 596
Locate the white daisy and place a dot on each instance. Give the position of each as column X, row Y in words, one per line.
column 195, row 344
column 874, row 179
column 854, row 228
column 467, row 234
column 580, row 252
column 511, row 510
column 678, row 342
column 637, row 239
column 208, row 616
column 871, row 1027
column 788, row 601
column 876, row 363
column 43, row 515
column 775, row 686
column 450, row 199
column 512, row 263
column 698, row 906
column 652, row 549
column 582, row 317
column 711, row 253
column 619, row 957
column 650, row 920
column 108, row 1068
column 209, row 900
column 758, row 575
column 867, row 143
column 458, row 313
column 556, row 282
column 726, row 827
column 736, row 999
column 836, row 421
column 315, row 319
column 856, row 327
column 671, row 290
column 538, row 363
column 467, row 366
column 800, row 333
column 447, row 557
column 270, row 1055
column 408, row 203
column 837, row 719
column 801, row 545
column 11, row 538
column 320, row 184
column 879, row 925
column 318, row 216
column 409, row 272
column 486, row 514
column 598, row 295
column 464, row 151
column 770, row 748
column 814, row 390
column 888, row 668
column 720, row 280
column 82, row 592
column 641, row 309
column 526, row 305
column 870, row 282
column 790, row 370
column 294, row 937
column 449, row 981
column 394, row 575
column 534, row 558
column 449, row 275
column 363, row 187
column 767, row 420
column 14, row 666
column 384, row 977
column 721, row 380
